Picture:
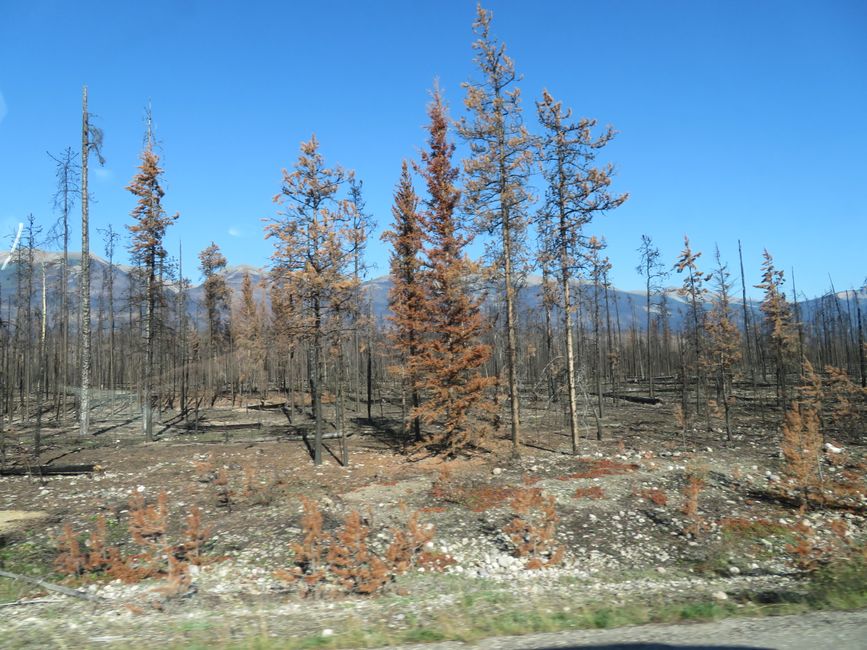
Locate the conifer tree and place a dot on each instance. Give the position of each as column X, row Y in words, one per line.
column 653, row 271
column 315, row 243
column 724, row 341
column 248, row 339
column 67, row 174
column 212, row 264
column 151, row 222
column 693, row 290
column 451, row 356
column 361, row 226
column 496, row 176
column 550, row 298
column 406, row 298
column 801, row 443
column 577, row 190
column 598, row 268
column 779, row 325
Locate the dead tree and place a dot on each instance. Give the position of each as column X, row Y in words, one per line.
column 91, row 141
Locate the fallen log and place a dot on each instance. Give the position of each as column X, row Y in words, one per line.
column 265, row 407
column 331, row 435
column 189, row 426
column 638, row 399
column 50, row 586
column 48, row 470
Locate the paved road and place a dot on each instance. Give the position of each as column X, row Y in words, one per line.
column 813, row 631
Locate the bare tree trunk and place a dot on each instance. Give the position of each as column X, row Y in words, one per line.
column 37, row 436
column 341, row 406
column 84, row 409
column 511, row 338
column 862, row 351
column 749, row 356
column 549, row 337
column 570, row 355
column 147, row 388
column 597, row 334
column 182, row 324
column 314, row 373
column 370, row 364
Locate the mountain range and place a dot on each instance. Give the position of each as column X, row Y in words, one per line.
column 630, row 306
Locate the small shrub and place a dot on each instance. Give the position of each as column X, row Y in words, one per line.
column 407, row 544
column 691, row 492
column 485, row 497
column 843, row 396
column 741, row 527
column 357, row 569
column 597, row 468
column 345, row 560
column 147, row 524
column 193, row 538
column 205, row 472
column 594, row 492
column 147, row 528
column 224, row 493
column 656, row 496
column 533, row 527
column 442, row 485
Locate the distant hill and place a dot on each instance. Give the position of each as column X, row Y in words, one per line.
column 630, row 305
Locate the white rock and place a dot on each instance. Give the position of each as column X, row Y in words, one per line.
column 497, row 471
column 831, row 449
column 719, row 595
column 327, row 632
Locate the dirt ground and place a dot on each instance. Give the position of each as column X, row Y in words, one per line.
column 624, row 524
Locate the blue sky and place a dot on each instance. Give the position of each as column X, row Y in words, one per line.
column 737, row 119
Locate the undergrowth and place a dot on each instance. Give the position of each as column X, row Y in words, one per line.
column 156, row 555
column 344, row 560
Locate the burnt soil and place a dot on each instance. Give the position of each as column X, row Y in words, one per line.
column 620, row 501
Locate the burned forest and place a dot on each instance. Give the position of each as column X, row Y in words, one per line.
column 434, row 418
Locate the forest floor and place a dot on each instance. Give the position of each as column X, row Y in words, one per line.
column 635, row 551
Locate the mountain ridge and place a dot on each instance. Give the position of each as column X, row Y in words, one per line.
column 629, row 305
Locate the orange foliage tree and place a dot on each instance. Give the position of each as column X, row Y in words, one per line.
column 151, row 222
column 314, row 250
column 248, row 334
column 448, row 367
column 406, row 297
column 802, row 441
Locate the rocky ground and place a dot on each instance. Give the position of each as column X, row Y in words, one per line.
column 623, row 519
